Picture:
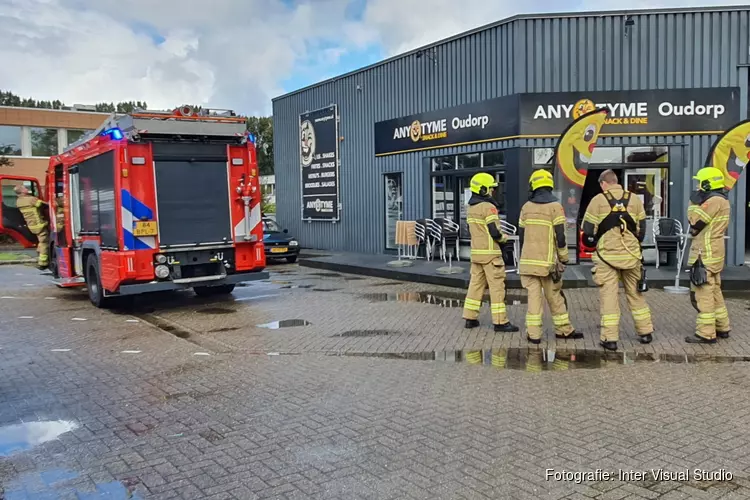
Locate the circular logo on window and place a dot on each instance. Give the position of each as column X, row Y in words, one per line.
column 307, row 142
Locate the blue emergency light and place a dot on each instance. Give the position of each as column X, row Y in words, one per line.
column 116, row 133
column 251, row 138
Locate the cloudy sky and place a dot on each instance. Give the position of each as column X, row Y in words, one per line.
column 227, row 53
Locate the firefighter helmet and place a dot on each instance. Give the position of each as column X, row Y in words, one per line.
column 540, row 179
column 709, row 178
column 481, row 183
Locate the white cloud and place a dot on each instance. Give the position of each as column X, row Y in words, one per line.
column 226, row 53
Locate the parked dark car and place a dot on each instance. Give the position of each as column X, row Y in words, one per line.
column 278, row 243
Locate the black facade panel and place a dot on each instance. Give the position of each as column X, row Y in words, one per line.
column 193, row 202
column 97, row 197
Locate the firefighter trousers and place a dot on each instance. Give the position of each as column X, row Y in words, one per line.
column 608, row 280
column 490, row 275
column 42, row 248
column 712, row 311
column 540, row 288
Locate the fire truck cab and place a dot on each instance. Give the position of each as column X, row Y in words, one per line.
column 151, row 201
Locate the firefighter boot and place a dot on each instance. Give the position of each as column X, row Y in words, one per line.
column 607, row 279
column 722, row 315
column 558, row 305
column 637, row 303
column 704, row 300
column 535, row 307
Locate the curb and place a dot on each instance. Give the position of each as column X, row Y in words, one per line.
column 14, row 262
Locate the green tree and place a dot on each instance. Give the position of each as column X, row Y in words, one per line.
column 262, row 128
column 4, row 160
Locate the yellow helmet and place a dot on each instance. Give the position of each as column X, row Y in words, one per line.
column 539, row 179
column 710, row 178
column 480, row 181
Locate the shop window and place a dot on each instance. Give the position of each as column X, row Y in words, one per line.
column 470, row 161
column 394, row 207
column 543, row 156
column 493, row 159
column 75, row 135
column 606, row 155
column 443, row 163
column 43, row 141
column 647, row 154
column 443, row 197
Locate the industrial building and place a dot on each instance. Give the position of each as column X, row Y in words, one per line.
column 401, row 138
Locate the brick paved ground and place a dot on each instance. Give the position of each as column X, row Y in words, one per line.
column 349, row 314
column 165, row 418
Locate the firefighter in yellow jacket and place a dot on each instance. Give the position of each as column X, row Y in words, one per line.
column 487, row 266
column 30, row 206
column 615, row 223
column 544, row 254
column 708, row 215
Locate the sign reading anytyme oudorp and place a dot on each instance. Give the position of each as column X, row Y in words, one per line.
column 631, row 113
column 635, row 112
column 319, row 163
column 485, row 121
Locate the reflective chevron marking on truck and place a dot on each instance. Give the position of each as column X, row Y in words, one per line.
column 133, row 210
column 255, row 218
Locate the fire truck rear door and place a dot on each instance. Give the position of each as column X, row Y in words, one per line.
column 11, row 219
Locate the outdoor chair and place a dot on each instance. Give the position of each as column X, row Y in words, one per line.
column 449, row 236
column 434, row 235
column 668, row 238
column 511, row 232
column 423, row 238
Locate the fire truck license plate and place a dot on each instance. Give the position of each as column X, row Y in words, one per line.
column 145, row 228
column 278, row 250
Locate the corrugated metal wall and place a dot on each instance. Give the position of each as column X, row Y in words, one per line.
column 660, row 51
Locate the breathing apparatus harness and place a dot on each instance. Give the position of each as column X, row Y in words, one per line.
column 619, row 218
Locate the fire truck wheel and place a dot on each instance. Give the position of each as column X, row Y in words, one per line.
column 94, row 283
column 209, row 291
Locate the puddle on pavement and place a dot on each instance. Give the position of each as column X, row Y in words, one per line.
column 21, row 437
column 354, row 278
column 297, row 286
column 284, row 323
column 56, row 483
column 216, row 310
column 281, row 282
column 442, row 299
column 326, row 289
column 326, row 275
column 227, row 329
column 365, row 333
column 538, row 360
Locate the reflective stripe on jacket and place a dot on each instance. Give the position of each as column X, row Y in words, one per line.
column 484, row 248
column 541, row 247
column 620, row 249
column 714, row 212
column 29, row 207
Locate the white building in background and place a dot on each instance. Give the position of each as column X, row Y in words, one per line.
column 268, row 188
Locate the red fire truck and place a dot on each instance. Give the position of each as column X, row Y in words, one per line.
column 151, row 201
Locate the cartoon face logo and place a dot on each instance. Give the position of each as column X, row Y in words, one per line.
column 731, row 153
column 582, row 107
column 415, row 132
column 577, row 144
column 307, row 142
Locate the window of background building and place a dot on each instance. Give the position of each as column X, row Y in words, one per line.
column 74, row 135
column 443, row 163
column 649, row 154
column 470, row 161
column 43, row 141
column 543, row 156
column 10, row 140
column 394, row 207
column 606, row 155
column 494, row 159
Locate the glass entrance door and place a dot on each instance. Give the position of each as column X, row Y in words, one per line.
column 650, row 185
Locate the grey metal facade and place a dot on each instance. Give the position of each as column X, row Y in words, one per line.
column 668, row 49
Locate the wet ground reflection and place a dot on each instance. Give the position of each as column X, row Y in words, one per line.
column 21, row 437
column 284, row 323
column 537, row 360
column 442, row 299
column 54, row 483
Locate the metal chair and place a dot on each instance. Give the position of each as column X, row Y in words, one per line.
column 668, row 237
column 434, row 235
column 511, row 232
column 420, row 230
column 449, row 236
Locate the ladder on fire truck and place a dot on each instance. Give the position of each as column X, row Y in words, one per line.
column 183, row 121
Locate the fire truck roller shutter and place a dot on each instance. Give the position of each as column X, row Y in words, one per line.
column 192, row 193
